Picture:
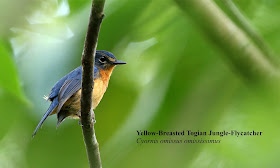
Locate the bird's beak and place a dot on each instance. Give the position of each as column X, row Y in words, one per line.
column 117, row 62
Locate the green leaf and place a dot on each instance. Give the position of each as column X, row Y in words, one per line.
column 8, row 74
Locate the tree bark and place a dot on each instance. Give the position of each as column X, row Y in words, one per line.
column 88, row 57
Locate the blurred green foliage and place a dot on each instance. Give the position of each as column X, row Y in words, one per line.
column 175, row 79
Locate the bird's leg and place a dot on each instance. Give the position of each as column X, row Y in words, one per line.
column 80, row 121
column 79, row 115
column 92, row 114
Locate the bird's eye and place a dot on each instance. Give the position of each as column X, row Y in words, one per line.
column 102, row 59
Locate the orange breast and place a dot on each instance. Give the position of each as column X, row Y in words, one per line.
column 98, row 91
column 100, row 86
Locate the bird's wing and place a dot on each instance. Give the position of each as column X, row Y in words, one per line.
column 69, row 88
column 75, row 74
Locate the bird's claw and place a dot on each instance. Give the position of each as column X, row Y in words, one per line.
column 93, row 121
column 93, row 117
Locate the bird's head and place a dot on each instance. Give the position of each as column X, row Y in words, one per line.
column 106, row 60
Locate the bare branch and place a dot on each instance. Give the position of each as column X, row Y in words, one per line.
column 92, row 146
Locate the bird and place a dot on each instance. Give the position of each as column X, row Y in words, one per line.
column 65, row 95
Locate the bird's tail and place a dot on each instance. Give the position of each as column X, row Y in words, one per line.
column 48, row 112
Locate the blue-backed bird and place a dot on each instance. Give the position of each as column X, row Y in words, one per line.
column 66, row 93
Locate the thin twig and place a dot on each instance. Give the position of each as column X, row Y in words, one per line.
column 245, row 57
column 243, row 22
column 92, row 146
